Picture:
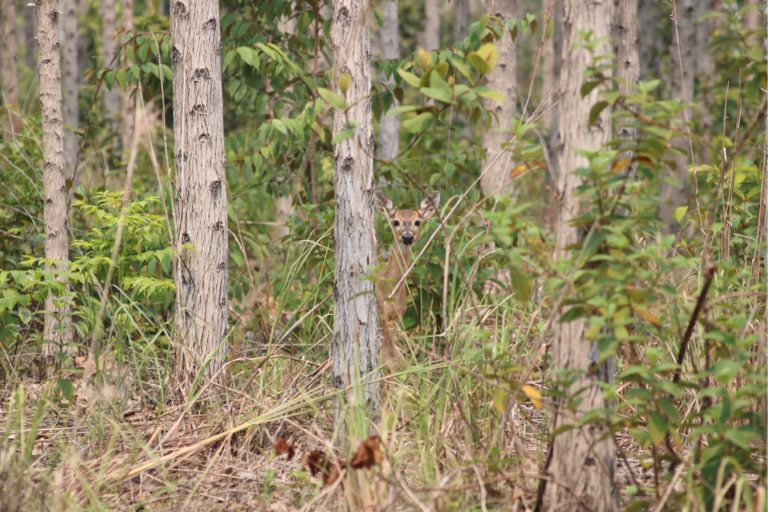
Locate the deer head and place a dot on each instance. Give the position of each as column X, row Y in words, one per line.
column 406, row 223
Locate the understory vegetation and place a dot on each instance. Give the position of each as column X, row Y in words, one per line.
column 677, row 313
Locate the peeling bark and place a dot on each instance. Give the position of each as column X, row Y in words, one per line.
column 355, row 339
column 201, row 190
column 579, row 459
column 54, row 174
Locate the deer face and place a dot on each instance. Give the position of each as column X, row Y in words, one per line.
column 406, row 223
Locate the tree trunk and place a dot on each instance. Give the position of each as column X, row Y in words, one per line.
column 431, row 35
column 705, row 71
column 682, row 89
column 752, row 18
column 355, row 339
column 557, row 42
column 109, row 44
column 497, row 180
column 548, row 69
column 389, row 126
column 58, row 328
column 648, row 41
column 628, row 72
column 30, row 32
column 201, row 191
column 126, row 102
column 460, row 20
column 70, row 74
column 579, row 461
column 8, row 56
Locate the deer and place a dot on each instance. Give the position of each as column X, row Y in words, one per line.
column 405, row 225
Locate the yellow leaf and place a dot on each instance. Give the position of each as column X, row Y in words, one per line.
column 500, row 399
column 621, row 164
column 648, row 317
column 425, row 59
column 517, row 171
column 533, row 394
column 344, row 82
column 489, row 54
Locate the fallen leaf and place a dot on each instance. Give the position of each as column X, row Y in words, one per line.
column 368, row 454
column 533, row 394
column 282, row 446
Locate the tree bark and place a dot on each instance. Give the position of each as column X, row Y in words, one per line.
column 705, row 70
column 201, row 191
column 580, row 462
column 628, row 72
column 30, row 32
column 548, row 68
column 460, row 20
column 648, row 41
column 557, row 43
column 70, row 72
column 431, row 35
column 109, row 47
column 497, row 180
column 389, row 126
column 10, row 78
column 355, row 339
column 126, row 102
column 58, row 327
column 682, row 89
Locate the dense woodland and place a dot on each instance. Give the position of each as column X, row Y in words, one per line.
column 417, row 255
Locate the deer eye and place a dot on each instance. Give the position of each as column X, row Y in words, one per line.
column 396, row 223
column 418, row 223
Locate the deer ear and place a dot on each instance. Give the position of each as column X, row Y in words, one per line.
column 429, row 205
column 384, row 203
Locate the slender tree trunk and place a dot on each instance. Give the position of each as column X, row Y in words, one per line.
column 705, row 71
column 389, row 126
column 355, row 339
column 109, row 44
column 649, row 40
column 8, row 56
column 30, row 32
column 628, row 71
column 284, row 204
column 682, row 89
column 554, row 132
column 548, row 68
column 126, row 102
column 201, row 191
column 580, row 461
column 431, row 35
column 58, row 327
column 460, row 20
column 70, row 73
column 497, row 180
column 752, row 18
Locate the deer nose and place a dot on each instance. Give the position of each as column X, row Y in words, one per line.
column 407, row 239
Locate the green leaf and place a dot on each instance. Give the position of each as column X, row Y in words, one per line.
column 333, row 99
column 657, row 428
column 594, row 112
column 379, row 16
column 247, row 56
column 680, row 213
column 122, row 78
column 587, row 87
column 438, row 94
column 25, row 315
column 573, row 314
column 343, row 136
column 418, row 123
column 66, row 387
column 500, row 397
column 488, row 93
column 401, row 110
column 412, row 79
column 109, row 80
column 521, row 283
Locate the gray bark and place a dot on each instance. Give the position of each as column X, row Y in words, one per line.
column 752, row 18
column 201, row 190
column 389, row 126
column 70, row 79
column 628, row 71
column 460, row 20
column 30, row 32
column 554, row 132
column 355, row 340
column 126, row 102
column 54, row 174
column 109, row 48
column 548, row 70
column 682, row 89
column 580, row 462
column 10, row 77
column 705, row 70
column 431, row 35
column 648, row 40
column 497, row 180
